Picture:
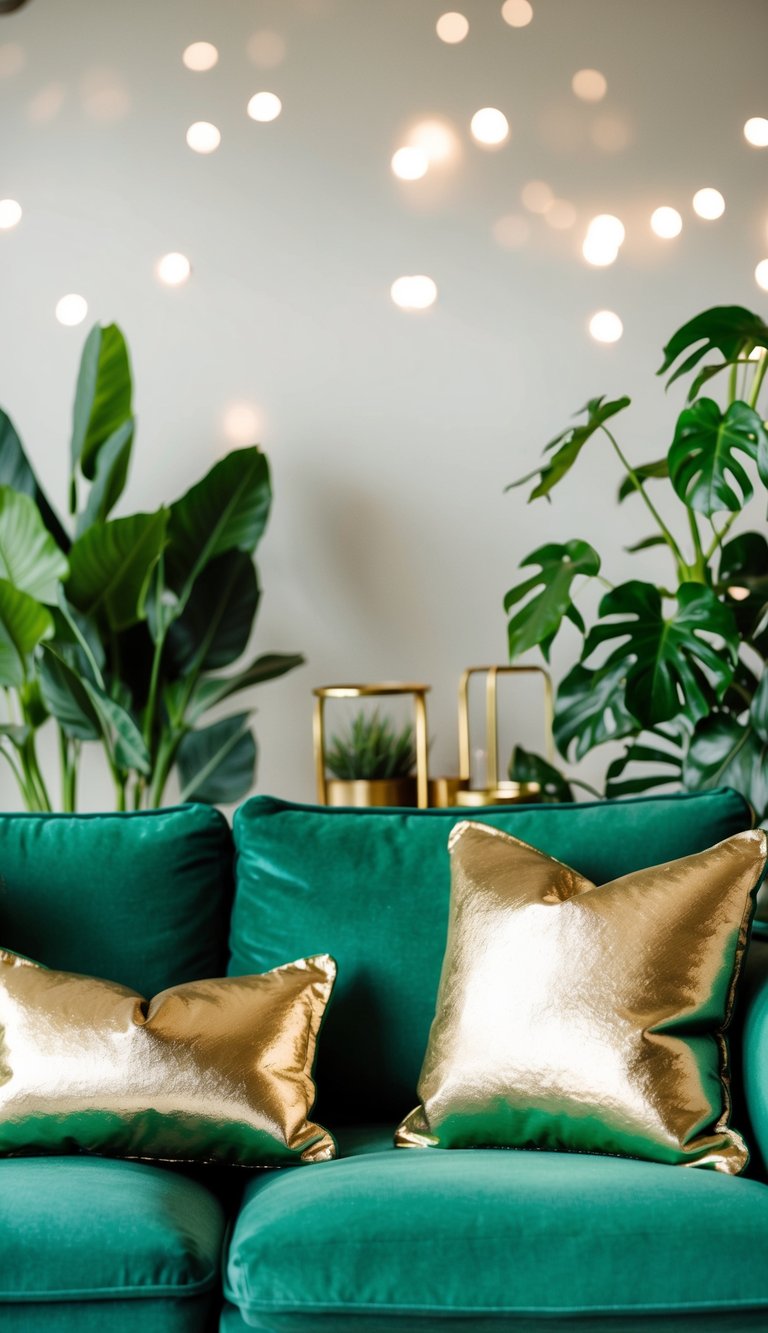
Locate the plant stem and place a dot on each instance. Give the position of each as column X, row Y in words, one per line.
column 638, row 485
column 757, row 383
column 119, row 782
column 33, row 774
column 720, row 536
column 700, row 564
column 732, row 383
column 166, row 753
column 27, row 796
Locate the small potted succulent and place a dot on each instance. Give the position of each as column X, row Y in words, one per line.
column 372, row 763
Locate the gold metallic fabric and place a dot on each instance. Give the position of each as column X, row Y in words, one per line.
column 211, row 1071
column 587, row 1018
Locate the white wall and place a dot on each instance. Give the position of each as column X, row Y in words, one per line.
column 391, row 435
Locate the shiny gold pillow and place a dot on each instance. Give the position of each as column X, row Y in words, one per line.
column 212, row 1071
column 583, row 1018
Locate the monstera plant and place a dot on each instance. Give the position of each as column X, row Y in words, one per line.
column 677, row 672
column 118, row 632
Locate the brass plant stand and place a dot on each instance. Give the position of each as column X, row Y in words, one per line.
column 337, row 791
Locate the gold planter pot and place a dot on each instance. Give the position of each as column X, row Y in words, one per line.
column 373, row 792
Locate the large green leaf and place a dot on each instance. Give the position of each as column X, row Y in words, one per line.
column 730, row 753
column 29, row 557
column 24, row 622
column 704, row 466
column 216, row 623
column 548, row 593
column 213, row 689
column 110, row 476
column 102, row 397
column 125, row 738
column 643, row 472
column 111, row 564
column 217, row 763
column 743, row 576
column 671, row 666
column 16, row 471
column 590, row 710
column 665, row 771
column 568, row 446
column 225, row 511
column 66, row 697
column 525, row 766
column 730, row 330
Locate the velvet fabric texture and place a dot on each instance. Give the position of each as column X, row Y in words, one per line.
column 372, row 888
column 140, row 898
column 485, row 1236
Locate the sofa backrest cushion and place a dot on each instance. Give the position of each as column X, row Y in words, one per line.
column 142, row 899
column 371, row 888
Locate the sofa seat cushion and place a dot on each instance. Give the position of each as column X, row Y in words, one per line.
column 91, row 1230
column 494, row 1235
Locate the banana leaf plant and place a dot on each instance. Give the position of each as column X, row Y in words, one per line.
column 118, row 631
column 675, row 672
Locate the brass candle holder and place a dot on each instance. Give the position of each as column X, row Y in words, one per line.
column 381, row 791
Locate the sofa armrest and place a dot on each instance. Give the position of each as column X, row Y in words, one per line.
column 754, row 1047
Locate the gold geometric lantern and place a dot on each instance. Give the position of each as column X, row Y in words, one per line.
column 382, row 791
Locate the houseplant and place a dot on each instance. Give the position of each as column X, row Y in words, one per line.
column 118, row 630
column 372, row 763
column 677, row 672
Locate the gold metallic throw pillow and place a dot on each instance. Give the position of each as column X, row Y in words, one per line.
column 212, row 1071
column 583, row 1018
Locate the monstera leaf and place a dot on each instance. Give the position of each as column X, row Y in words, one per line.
column 670, row 666
column 216, row 764
column 525, row 766
column 666, row 767
column 704, row 466
column 16, row 472
column 548, row 593
column 225, row 511
column 102, row 397
column 568, row 446
column 727, row 751
column 111, row 564
column 644, row 471
column 24, row 623
column 730, row 330
column 590, row 709
column 29, row 557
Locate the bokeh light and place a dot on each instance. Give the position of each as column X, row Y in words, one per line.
column 71, row 309
column 666, row 222
column 452, row 28
column 589, row 85
column 537, row 196
column 414, row 292
column 605, row 235
column 605, row 326
column 517, row 13
column 709, row 204
column 437, row 138
column 173, row 269
column 489, row 127
column 410, row 164
column 264, row 107
column 511, row 231
column 761, row 274
column 203, row 137
column 756, row 132
column 200, row 56
column 243, row 423
column 10, row 214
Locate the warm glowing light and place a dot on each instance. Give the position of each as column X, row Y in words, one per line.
column 265, row 48
column 71, row 309
column 517, row 13
column 606, row 327
column 489, row 127
column 416, row 292
column 537, row 196
column 709, row 204
column 264, row 107
column 437, row 138
column 761, row 274
column 511, row 231
column 200, row 56
column 173, row 269
column 560, row 215
column 666, row 223
column 410, row 164
column 756, row 132
column 610, row 228
column 10, row 214
column 452, row 28
column 202, row 137
column 590, row 85
column 738, row 594
column 599, row 251
column 243, row 423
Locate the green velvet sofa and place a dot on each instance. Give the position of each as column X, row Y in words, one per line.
column 378, row 1241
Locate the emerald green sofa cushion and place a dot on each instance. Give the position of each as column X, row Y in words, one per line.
column 141, row 899
column 371, row 887
column 138, row 1243
column 494, row 1236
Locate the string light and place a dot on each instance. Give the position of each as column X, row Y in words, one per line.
column 202, row 137
column 756, row 132
column 71, row 309
column 410, row 164
column 414, row 292
column 243, row 423
column 517, row 13
column 605, row 235
column 173, row 269
column 589, row 85
column 452, row 28
column 490, row 127
column 264, row 107
column 606, row 327
column 761, row 274
column 709, row 204
column 666, row 223
column 10, row 214
column 437, row 139
column 200, row 56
